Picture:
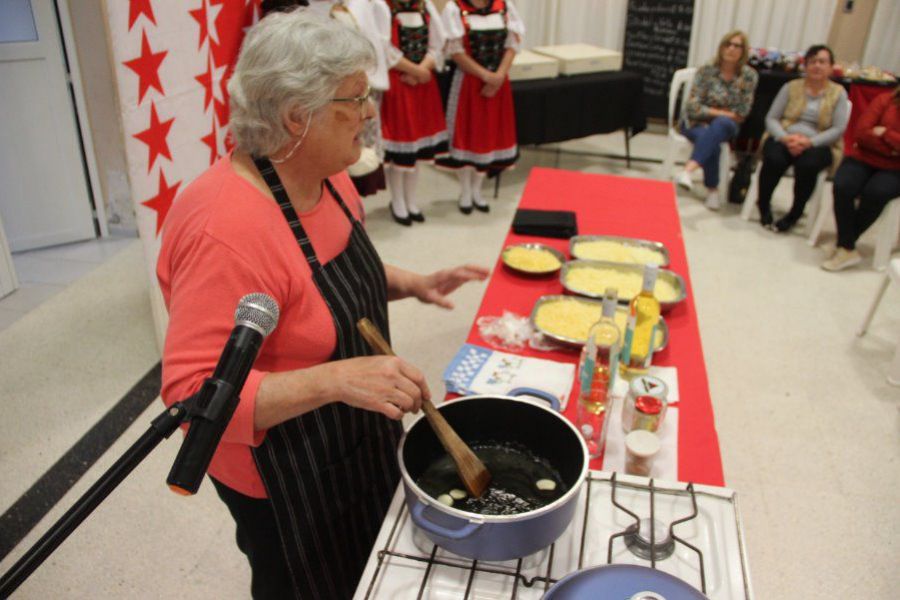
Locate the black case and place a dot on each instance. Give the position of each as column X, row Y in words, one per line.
column 545, row 223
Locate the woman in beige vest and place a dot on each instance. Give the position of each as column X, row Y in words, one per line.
column 804, row 128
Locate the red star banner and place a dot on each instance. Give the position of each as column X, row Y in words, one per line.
column 155, row 137
column 162, row 201
column 179, row 56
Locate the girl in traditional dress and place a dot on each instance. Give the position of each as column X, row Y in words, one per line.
column 483, row 36
column 412, row 118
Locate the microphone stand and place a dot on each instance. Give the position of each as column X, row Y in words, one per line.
column 160, row 428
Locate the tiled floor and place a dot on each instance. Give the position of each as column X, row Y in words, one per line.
column 44, row 273
column 806, row 422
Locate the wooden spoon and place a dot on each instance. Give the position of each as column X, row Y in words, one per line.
column 472, row 471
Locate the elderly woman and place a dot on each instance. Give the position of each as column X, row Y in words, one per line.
column 308, row 463
column 720, row 100
column 870, row 172
column 805, row 127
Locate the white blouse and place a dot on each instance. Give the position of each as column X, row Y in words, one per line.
column 455, row 29
column 436, row 35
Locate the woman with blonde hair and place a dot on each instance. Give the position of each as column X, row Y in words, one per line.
column 720, row 99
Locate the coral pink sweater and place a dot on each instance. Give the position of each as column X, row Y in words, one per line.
column 223, row 239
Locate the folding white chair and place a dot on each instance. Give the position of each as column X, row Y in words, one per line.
column 893, row 274
column 888, row 229
column 683, row 79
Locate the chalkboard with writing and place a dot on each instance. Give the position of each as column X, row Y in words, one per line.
column 657, row 40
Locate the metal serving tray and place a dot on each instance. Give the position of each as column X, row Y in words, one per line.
column 663, row 327
column 625, row 241
column 533, row 246
column 674, row 278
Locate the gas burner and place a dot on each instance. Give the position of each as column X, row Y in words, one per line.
column 637, row 538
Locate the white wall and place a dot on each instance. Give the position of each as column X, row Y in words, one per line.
column 883, row 45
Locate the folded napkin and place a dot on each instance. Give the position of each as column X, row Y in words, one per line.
column 479, row 370
column 546, row 223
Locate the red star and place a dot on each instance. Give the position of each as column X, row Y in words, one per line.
column 147, row 68
column 155, row 137
column 206, row 80
column 212, row 141
column 138, row 7
column 228, row 26
column 221, row 112
column 162, row 201
column 199, row 15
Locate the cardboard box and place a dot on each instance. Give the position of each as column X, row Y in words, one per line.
column 530, row 65
column 582, row 58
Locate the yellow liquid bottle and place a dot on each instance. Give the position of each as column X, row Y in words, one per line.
column 597, row 372
column 643, row 319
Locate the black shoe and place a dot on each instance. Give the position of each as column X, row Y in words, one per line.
column 765, row 218
column 485, row 208
column 417, row 217
column 466, row 210
column 405, row 221
column 784, row 224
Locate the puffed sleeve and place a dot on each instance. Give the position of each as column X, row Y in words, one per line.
column 437, row 37
column 382, row 16
column 516, row 27
column 453, row 29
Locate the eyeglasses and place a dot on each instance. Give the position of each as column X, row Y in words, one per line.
column 737, row 45
column 361, row 101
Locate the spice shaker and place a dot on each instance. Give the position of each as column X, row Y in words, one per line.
column 645, row 404
column 641, row 447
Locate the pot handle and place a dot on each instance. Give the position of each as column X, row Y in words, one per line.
column 546, row 396
column 418, row 516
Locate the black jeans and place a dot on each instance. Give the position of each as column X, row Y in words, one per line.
column 874, row 187
column 776, row 160
column 258, row 538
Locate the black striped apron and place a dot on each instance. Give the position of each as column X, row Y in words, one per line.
column 330, row 473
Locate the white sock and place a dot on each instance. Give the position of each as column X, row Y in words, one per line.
column 410, row 180
column 465, row 185
column 395, row 185
column 477, row 180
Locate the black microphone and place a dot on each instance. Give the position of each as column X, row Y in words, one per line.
column 213, row 406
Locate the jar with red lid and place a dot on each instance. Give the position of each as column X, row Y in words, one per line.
column 645, row 404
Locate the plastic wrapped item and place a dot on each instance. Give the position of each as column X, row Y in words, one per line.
column 510, row 331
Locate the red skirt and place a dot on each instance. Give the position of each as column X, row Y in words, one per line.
column 412, row 122
column 482, row 130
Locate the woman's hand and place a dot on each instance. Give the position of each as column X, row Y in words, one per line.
column 433, row 289
column 409, row 79
column 796, row 143
column 879, row 130
column 489, row 91
column 385, row 384
column 423, row 74
column 493, row 79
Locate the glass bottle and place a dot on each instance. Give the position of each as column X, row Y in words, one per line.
column 597, row 375
column 643, row 319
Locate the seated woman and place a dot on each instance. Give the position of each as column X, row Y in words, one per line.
column 308, row 464
column 805, row 125
column 721, row 97
column 870, row 172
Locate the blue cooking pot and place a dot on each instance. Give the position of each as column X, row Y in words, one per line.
column 501, row 419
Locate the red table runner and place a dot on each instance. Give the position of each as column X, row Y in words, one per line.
column 641, row 208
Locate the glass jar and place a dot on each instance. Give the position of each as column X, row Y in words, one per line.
column 645, row 404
